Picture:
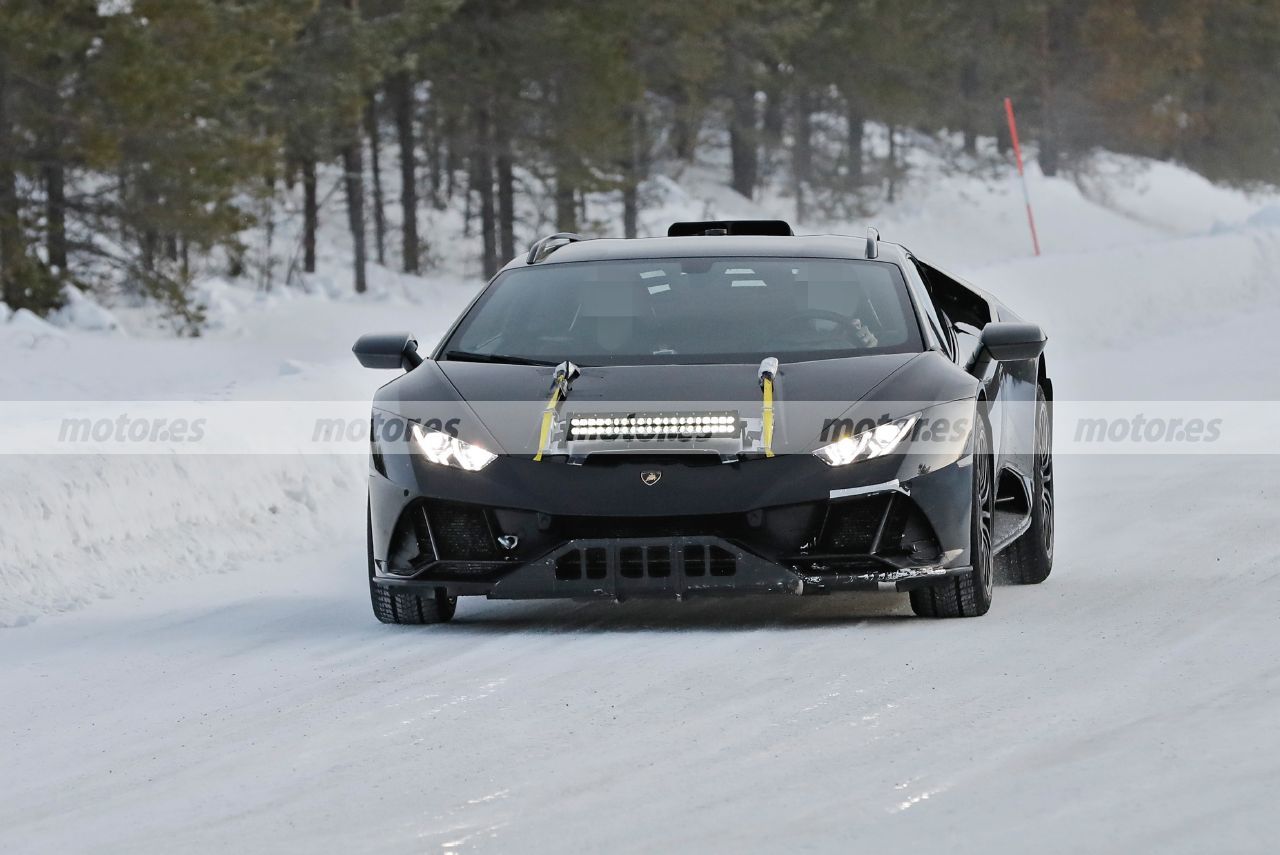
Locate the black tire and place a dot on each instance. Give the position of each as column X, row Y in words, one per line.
column 1029, row 559
column 406, row 607
column 969, row 595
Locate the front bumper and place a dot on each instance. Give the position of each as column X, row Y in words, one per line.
column 789, row 525
column 679, row 568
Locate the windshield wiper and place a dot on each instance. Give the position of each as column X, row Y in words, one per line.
column 467, row 356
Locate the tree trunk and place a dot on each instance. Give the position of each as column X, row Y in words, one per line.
column 482, row 176
column 630, row 210
column 855, row 130
column 684, row 130
column 893, row 164
column 773, row 120
column 55, row 211
column 401, row 92
column 743, row 139
column 631, row 181
column 375, row 158
column 148, row 247
column 1049, row 145
column 634, row 171
column 968, row 101
column 566, row 202
column 267, row 218
column 448, row 160
column 802, row 151
column 506, row 193
column 353, row 167
column 310, row 214
column 11, row 249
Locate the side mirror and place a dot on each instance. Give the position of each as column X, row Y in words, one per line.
column 388, row 350
column 1007, row 342
column 1013, row 342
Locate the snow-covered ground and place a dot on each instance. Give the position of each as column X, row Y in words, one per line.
column 191, row 660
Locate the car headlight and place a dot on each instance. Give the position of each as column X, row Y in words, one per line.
column 439, row 447
column 868, row 445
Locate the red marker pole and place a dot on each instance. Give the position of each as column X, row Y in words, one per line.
column 1022, row 175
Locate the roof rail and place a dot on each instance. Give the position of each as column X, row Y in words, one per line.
column 549, row 244
column 873, row 243
column 779, row 228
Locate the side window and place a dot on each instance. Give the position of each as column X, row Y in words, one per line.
column 948, row 328
column 964, row 310
column 938, row 330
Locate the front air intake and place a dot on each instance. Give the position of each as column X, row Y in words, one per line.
column 885, row 525
column 461, row 531
column 852, row 526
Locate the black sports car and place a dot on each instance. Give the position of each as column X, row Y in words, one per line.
column 730, row 409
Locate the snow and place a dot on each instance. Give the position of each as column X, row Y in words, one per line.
column 80, row 311
column 192, row 657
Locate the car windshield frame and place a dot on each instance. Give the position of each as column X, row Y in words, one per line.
column 915, row 340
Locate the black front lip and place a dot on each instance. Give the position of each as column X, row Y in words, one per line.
column 752, row 574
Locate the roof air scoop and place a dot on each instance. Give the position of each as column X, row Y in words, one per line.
column 774, row 228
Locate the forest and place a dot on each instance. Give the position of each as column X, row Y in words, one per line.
column 138, row 138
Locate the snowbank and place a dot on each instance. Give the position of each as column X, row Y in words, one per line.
column 1116, row 297
column 79, row 311
column 81, row 528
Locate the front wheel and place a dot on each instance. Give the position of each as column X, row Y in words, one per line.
column 1029, row 559
column 969, row 595
column 406, row 607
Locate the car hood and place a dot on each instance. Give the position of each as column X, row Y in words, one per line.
column 502, row 404
column 827, row 379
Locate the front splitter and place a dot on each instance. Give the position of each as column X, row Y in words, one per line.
column 668, row 567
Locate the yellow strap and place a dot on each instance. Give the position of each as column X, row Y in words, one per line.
column 545, row 434
column 767, row 383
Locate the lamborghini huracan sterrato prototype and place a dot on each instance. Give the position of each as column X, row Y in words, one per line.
column 729, row 409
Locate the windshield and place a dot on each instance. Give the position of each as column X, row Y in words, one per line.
column 689, row 310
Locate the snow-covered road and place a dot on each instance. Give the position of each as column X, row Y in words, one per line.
column 1130, row 704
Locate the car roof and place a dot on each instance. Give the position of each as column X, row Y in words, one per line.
column 702, row 246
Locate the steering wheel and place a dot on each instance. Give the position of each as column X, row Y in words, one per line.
column 844, row 327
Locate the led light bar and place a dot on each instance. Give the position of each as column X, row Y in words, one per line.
column 626, row 426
